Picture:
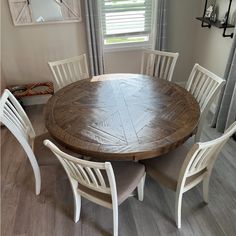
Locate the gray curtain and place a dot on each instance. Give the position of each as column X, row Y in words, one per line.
column 94, row 37
column 226, row 111
column 161, row 26
column 232, row 108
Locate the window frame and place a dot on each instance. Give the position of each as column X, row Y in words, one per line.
column 129, row 46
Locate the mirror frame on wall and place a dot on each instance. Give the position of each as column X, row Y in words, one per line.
column 22, row 14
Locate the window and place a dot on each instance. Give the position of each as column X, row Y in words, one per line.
column 127, row 22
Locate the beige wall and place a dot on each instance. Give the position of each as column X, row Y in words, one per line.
column 212, row 49
column 123, row 61
column 27, row 49
column 186, row 36
column 182, row 33
column 181, row 38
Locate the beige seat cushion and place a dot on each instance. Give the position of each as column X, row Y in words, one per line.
column 166, row 168
column 127, row 175
column 44, row 155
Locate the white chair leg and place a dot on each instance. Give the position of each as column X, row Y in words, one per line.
column 77, row 207
column 77, row 200
column 37, row 181
column 115, row 220
column 37, row 176
column 197, row 137
column 141, row 188
column 206, row 188
column 199, row 128
column 178, row 205
column 34, row 165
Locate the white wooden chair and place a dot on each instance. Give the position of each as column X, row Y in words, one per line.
column 183, row 169
column 159, row 64
column 69, row 70
column 204, row 86
column 103, row 183
column 15, row 119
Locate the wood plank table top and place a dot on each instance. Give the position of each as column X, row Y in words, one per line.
column 122, row 116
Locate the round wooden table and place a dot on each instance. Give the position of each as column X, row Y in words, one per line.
column 122, row 116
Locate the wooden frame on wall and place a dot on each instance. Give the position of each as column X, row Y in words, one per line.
column 21, row 12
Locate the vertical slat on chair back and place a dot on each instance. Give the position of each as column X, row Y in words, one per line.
column 87, row 173
column 204, row 85
column 159, row 64
column 69, row 70
column 205, row 154
column 14, row 117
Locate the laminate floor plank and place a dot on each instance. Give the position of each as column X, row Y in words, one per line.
column 51, row 213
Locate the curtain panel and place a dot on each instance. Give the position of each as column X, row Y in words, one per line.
column 226, row 111
column 94, row 37
column 161, row 26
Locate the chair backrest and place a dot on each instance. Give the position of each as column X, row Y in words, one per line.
column 69, row 70
column 202, row 156
column 87, row 173
column 13, row 116
column 15, row 119
column 159, row 64
column 204, row 86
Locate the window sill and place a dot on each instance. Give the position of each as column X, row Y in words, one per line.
column 126, row 47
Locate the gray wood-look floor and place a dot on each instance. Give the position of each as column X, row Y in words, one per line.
column 51, row 213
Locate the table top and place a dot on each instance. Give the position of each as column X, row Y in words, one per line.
column 122, row 116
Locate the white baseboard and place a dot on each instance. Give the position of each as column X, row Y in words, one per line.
column 181, row 83
column 213, row 108
column 35, row 100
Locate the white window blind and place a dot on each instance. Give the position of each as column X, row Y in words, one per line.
column 127, row 21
